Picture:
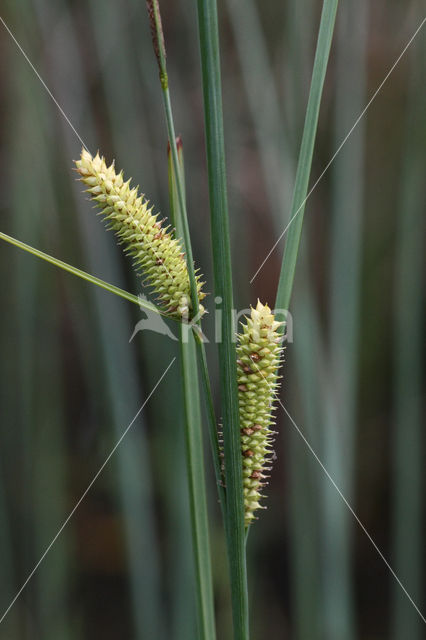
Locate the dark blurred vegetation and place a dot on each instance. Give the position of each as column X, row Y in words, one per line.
column 354, row 377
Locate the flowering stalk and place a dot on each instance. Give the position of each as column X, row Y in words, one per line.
column 259, row 353
column 160, row 54
column 157, row 255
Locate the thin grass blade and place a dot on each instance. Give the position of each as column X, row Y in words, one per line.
column 194, row 442
column 215, row 148
column 144, row 304
column 325, row 36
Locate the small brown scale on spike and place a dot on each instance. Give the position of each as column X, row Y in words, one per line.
column 259, row 355
column 247, row 431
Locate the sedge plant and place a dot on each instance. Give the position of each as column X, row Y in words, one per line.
column 163, row 257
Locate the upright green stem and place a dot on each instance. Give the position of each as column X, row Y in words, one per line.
column 210, row 60
column 182, row 227
column 196, row 482
column 213, row 435
column 214, row 440
column 160, row 51
column 288, row 267
column 194, row 446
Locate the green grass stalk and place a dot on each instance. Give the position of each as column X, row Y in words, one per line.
column 177, row 190
column 205, row 379
column 197, row 488
column 213, row 119
column 160, row 51
column 194, row 442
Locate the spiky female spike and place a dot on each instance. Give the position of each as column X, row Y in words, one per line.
column 259, row 353
column 157, row 255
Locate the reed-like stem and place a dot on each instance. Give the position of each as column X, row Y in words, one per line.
column 160, row 51
column 196, row 484
column 177, row 185
column 194, row 441
column 205, row 379
column 213, row 118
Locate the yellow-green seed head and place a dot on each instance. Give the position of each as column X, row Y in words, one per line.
column 157, row 255
column 259, row 353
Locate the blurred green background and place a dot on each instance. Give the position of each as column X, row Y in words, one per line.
column 70, row 381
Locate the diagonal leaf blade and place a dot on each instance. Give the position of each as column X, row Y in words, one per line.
column 288, row 267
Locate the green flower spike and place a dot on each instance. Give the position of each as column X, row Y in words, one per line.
column 157, row 255
column 259, row 352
